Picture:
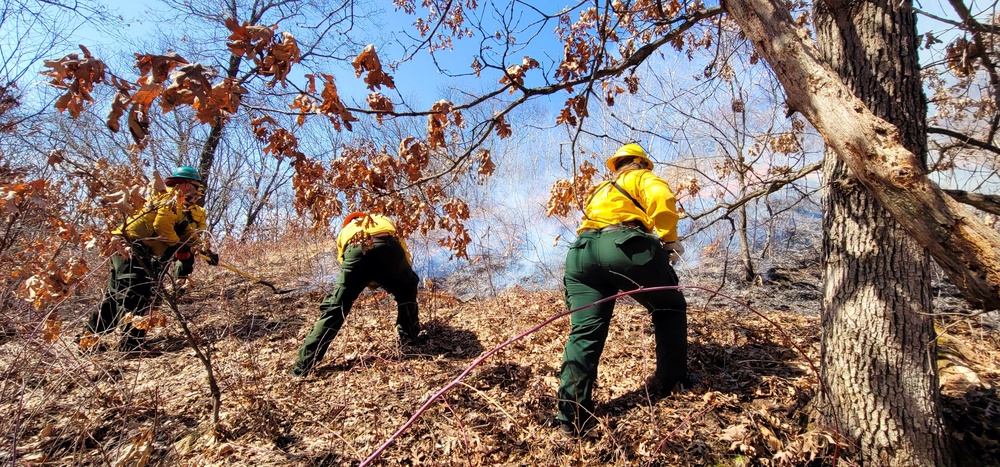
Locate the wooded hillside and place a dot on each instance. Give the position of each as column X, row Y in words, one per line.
column 834, row 166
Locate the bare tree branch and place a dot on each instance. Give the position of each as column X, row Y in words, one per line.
column 964, row 139
column 986, row 203
column 768, row 187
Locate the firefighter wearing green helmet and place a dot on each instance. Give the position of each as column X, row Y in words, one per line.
column 627, row 240
column 162, row 235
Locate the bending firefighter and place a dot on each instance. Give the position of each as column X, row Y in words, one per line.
column 162, row 235
column 627, row 240
column 369, row 251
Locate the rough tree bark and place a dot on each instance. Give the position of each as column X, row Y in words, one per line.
column 965, row 248
column 878, row 343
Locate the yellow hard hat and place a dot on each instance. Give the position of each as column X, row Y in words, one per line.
column 628, row 150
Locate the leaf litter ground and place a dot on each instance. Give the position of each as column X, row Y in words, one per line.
column 749, row 403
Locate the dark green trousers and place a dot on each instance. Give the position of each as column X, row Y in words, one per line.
column 384, row 263
column 598, row 265
column 132, row 287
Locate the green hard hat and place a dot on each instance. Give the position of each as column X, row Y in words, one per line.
column 186, row 172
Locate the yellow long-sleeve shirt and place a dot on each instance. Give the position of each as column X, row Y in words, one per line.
column 372, row 224
column 607, row 205
column 156, row 224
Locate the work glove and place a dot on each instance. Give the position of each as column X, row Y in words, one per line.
column 183, row 264
column 676, row 249
column 212, row 258
column 181, row 227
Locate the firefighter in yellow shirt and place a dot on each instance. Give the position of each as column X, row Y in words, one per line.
column 627, row 240
column 162, row 233
column 369, row 251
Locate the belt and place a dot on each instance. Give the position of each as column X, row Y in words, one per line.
column 383, row 237
column 622, row 225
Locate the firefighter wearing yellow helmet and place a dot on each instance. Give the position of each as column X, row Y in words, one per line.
column 627, row 240
column 630, row 150
column 370, row 251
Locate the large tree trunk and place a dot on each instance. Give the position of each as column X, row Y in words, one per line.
column 878, row 348
column 966, row 248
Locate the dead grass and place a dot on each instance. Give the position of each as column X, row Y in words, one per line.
column 749, row 405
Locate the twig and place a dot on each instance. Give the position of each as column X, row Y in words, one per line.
column 492, row 401
column 461, row 429
column 709, row 404
column 205, row 358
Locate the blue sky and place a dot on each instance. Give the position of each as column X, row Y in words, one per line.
column 413, row 77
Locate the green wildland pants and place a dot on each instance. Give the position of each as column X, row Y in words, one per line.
column 132, row 287
column 384, row 263
column 598, row 265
